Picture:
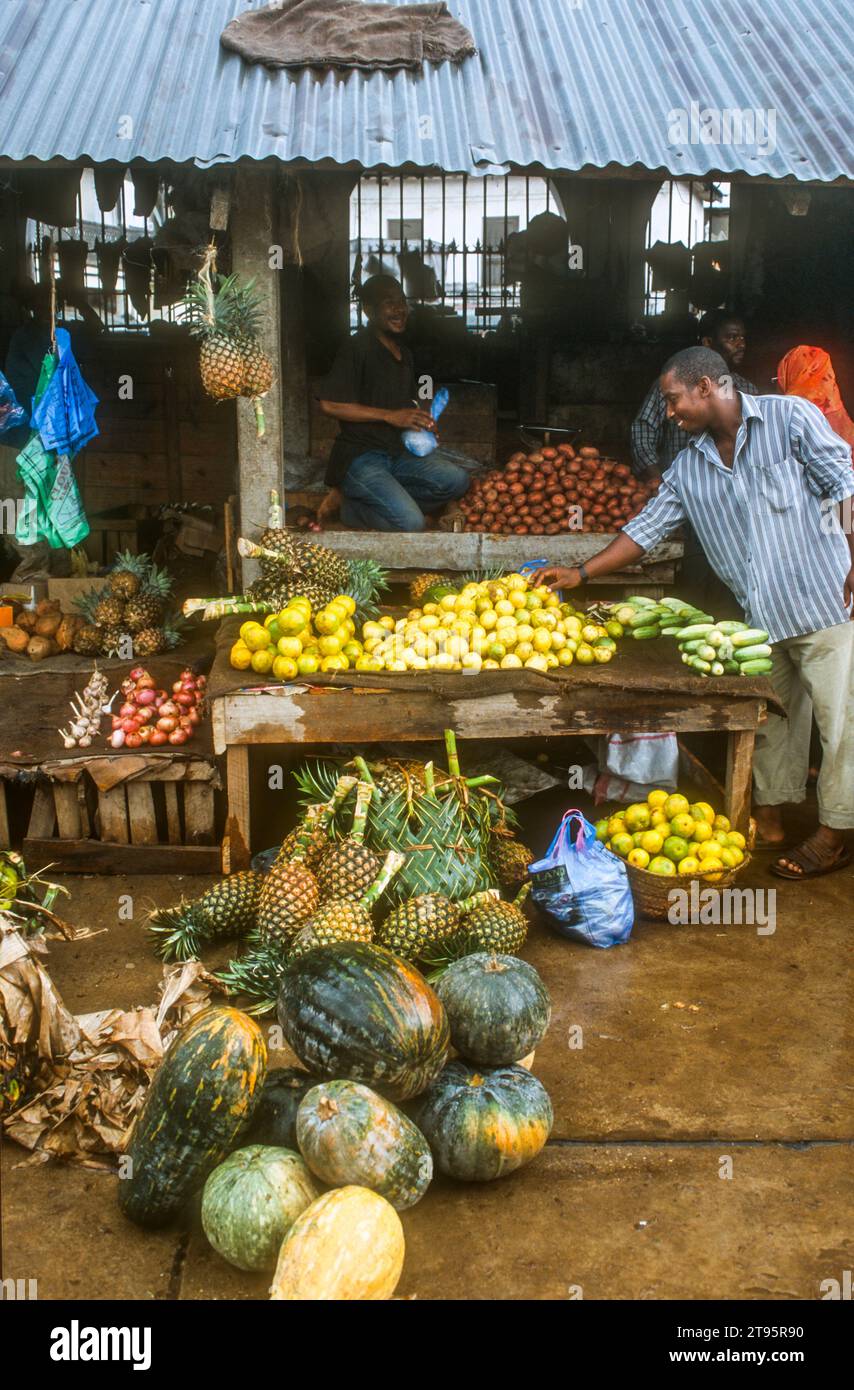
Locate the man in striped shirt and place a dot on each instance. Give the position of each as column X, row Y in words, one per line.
column 761, row 480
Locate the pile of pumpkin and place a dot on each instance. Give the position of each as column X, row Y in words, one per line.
column 379, row 1106
column 553, row 490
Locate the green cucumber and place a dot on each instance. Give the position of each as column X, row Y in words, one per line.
column 730, row 627
column 670, row 631
column 692, row 647
column 731, row 668
column 647, row 616
column 643, row 634
column 640, row 601
column 717, row 668
column 707, row 652
column 759, row 652
column 686, row 634
column 749, row 637
column 756, row 668
column 698, row 664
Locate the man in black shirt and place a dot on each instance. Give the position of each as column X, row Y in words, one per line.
column 371, row 392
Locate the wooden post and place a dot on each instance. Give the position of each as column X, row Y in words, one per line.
column 259, row 460
column 739, row 777
column 236, row 850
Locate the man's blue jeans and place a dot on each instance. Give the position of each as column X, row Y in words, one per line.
column 392, row 492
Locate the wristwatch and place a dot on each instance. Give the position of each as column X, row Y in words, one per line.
column 582, row 570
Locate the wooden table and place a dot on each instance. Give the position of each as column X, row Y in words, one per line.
column 298, row 714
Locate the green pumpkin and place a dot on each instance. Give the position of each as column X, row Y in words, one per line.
column 202, row 1097
column 251, row 1201
column 275, row 1118
column 497, row 1006
column 356, row 1011
column 483, row 1124
column 349, row 1135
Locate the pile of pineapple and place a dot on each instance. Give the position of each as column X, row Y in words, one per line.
column 495, row 624
column 133, row 605
column 334, row 879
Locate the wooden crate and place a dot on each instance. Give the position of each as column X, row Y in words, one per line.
column 161, row 822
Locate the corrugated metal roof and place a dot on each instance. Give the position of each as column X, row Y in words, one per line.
column 566, row 84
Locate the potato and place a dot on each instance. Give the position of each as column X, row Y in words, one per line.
column 27, row 621
column 67, row 631
column 47, row 606
column 40, row 647
column 16, row 638
column 47, row 624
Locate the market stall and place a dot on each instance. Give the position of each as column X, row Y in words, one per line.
column 634, row 693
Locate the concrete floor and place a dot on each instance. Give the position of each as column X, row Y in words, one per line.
column 628, row 1200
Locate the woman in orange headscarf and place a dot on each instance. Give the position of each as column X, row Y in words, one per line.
column 808, row 372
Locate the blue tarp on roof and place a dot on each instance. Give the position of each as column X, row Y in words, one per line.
column 564, row 84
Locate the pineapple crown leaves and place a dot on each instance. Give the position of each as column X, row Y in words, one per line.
column 156, row 583
column 176, row 932
column 222, row 304
column 133, row 564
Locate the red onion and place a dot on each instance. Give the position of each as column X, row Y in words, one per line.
column 178, row 736
column 167, row 724
column 147, row 696
column 158, row 738
column 133, row 741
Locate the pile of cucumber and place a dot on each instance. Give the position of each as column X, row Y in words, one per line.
column 709, row 648
column 725, row 649
column 643, row 618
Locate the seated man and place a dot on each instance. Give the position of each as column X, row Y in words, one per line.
column 371, row 392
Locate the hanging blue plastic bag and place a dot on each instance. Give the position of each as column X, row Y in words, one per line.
column 423, row 442
column 12, row 415
column 64, row 414
column 581, row 888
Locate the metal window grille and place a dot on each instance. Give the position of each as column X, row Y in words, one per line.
column 445, row 238
column 689, row 211
column 115, row 306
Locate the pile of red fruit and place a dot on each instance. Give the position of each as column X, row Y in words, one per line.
column 151, row 717
column 553, row 491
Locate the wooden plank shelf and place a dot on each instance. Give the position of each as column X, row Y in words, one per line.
column 155, row 823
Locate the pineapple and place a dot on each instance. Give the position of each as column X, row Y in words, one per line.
column 348, row 868
column 509, row 860
column 499, row 926
column 414, row 924
column 125, row 580
column 420, row 584
column 113, row 638
column 227, row 909
column 88, row 640
column 150, row 640
column 224, row 314
column 109, row 611
column 146, row 608
column 344, row 920
column 290, row 893
column 316, row 848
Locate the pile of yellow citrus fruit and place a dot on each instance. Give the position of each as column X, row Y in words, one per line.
column 666, row 834
column 297, row 642
column 488, row 626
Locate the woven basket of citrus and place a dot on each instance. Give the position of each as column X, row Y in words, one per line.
column 666, row 841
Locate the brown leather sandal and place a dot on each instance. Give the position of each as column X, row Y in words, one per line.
column 810, row 861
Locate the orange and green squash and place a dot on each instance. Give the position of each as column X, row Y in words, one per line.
column 202, row 1096
column 481, row 1124
column 498, row 1008
column 347, row 1246
column 356, row 1011
column 349, row 1135
column 251, row 1201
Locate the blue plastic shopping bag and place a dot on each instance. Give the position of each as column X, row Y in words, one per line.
column 581, row 888
column 423, row 442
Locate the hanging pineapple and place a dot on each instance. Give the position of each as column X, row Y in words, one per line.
column 224, row 315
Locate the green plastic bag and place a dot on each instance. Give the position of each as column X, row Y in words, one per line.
column 53, row 509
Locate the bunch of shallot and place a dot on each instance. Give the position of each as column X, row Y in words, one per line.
column 150, row 717
column 87, row 709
